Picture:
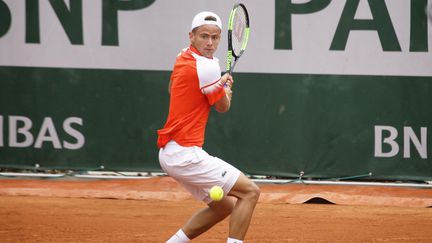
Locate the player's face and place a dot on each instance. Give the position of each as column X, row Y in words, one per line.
column 206, row 39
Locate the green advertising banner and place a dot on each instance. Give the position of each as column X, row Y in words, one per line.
column 81, row 118
column 330, row 88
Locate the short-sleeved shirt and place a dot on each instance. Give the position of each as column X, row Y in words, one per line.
column 195, row 88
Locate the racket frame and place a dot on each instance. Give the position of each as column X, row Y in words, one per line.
column 231, row 56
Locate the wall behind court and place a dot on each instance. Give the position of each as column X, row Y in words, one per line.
column 331, row 88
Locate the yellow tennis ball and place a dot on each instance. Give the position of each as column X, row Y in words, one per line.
column 216, row 193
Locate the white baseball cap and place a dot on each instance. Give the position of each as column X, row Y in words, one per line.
column 203, row 18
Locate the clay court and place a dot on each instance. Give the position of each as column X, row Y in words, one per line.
column 150, row 210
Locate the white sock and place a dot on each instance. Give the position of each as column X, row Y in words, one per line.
column 232, row 240
column 179, row 237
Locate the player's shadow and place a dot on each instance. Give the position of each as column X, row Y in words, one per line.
column 318, row 200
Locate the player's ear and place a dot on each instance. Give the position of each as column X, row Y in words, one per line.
column 191, row 36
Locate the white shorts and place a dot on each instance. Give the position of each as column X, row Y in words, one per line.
column 196, row 170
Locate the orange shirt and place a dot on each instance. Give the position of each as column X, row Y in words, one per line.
column 195, row 88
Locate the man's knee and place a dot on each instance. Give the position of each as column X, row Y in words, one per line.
column 246, row 189
column 223, row 208
column 228, row 208
column 253, row 193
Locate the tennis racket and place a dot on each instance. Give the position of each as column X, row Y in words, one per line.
column 238, row 35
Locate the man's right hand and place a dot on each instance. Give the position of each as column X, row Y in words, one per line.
column 227, row 80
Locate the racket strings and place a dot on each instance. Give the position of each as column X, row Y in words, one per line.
column 238, row 30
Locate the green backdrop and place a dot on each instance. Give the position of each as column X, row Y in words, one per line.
column 279, row 124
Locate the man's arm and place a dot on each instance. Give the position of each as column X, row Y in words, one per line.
column 223, row 105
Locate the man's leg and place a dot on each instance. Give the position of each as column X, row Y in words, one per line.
column 205, row 218
column 247, row 193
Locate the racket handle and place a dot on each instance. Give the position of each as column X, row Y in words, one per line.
column 229, row 71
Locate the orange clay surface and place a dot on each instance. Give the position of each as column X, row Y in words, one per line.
column 150, row 210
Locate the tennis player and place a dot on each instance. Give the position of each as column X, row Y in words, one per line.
column 195, row 86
